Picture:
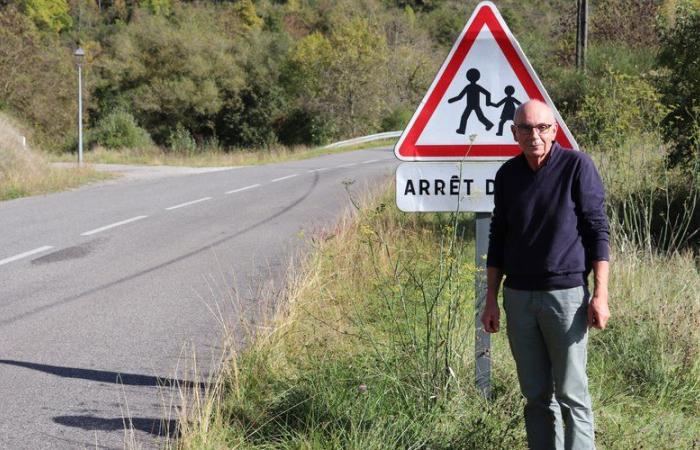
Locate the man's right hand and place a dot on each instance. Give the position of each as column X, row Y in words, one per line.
column 491, row 316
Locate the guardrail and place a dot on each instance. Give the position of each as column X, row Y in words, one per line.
column 363, row 139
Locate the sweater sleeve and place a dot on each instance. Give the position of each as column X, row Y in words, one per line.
column 498, row 229
column 589, row 197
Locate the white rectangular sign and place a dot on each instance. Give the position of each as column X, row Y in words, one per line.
column 446, row 186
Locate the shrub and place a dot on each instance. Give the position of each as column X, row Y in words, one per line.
column 419, row 5
column 619, row 106
column 397, row 119
column 680, row 54
column 304, row 127
column 444, row 25
column 567, row 86
column 158, row 7
column 180, row 140
column 119, row 130
column 625, row 21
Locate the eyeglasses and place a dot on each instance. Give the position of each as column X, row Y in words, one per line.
column 540, row 128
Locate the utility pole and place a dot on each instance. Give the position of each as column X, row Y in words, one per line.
column 581, row 33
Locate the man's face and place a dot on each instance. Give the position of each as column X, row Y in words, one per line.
column 534, row 128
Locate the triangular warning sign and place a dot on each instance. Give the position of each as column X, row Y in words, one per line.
column 468, row 110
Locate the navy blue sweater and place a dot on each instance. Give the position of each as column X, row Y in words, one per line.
column 549, row 225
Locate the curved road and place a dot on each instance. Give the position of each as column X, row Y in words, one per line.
column 108, row 292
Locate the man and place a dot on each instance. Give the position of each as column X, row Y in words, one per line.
column 548, row 230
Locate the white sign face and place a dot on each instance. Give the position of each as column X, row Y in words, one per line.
column 446, row 186
column 469, row 108
column 485, row 64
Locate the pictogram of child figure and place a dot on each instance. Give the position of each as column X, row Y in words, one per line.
column 509, row 104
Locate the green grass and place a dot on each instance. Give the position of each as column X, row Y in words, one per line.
column 211, row 157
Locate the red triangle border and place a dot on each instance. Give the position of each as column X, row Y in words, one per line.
column 484, row 17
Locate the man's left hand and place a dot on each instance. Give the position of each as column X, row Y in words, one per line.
column 598, row 312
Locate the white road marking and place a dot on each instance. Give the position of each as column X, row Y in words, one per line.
column 369, row 161
column 284, row 178
column 25, row 254
column 182, row 205
column 107, row 227
column 347, row 165
column 318, row 170
column 252, row 186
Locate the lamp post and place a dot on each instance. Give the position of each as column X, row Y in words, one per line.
column 79, row 57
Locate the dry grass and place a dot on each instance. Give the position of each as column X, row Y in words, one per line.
column 210, row 157
column 346, row 322
column 25, row 172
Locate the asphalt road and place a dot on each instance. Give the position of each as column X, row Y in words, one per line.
column 111, row 294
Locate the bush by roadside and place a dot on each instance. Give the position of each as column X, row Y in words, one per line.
column 118, row 130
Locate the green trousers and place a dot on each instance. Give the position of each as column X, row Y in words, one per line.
column 548, row 336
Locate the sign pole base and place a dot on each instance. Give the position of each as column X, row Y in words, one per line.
column 482, row 338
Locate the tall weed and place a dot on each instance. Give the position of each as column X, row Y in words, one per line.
column 373, row 349
column 650, row 206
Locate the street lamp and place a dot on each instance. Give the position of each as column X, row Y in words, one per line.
column 79, row 58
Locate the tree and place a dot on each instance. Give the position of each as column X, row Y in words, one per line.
column 251, row 118
column 157, row 7
column 37, row 78
column 343, row 76
column 50, row 15
column 169, row 71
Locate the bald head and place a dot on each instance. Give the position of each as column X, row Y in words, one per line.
column 534, row 108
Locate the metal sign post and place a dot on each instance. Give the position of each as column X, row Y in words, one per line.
column 482, row 340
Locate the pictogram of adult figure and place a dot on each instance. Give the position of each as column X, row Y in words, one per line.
column 509, row 103
column 473, row 92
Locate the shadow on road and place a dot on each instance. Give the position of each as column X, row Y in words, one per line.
column 156, row 427
column 105, row 376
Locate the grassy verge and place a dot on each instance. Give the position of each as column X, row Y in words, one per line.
column 211, row 158
column 24, row 172
column 373, row 348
